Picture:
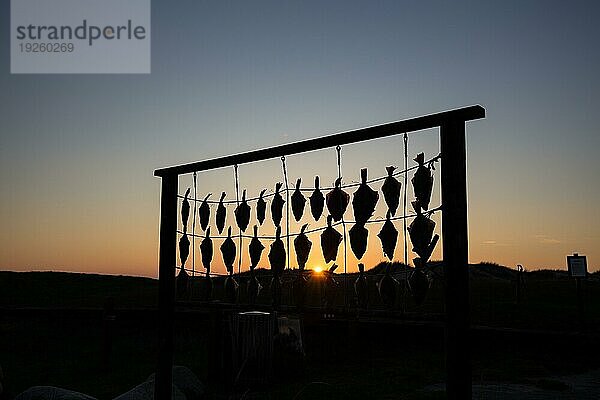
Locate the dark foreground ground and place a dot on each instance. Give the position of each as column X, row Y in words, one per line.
column 53, row 333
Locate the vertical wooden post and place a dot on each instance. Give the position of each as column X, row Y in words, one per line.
column 166, row 286
column 456, row 268
column 519, row 282
column 580, row 302
column 215, row 350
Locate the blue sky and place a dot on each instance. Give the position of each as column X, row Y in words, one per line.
column 78, row 151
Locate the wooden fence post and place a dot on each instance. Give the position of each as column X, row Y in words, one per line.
column 456, row 268
column 166, row 286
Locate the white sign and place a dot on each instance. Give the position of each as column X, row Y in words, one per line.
column 577, row 266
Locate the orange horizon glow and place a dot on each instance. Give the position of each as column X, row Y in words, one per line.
column 79, row 151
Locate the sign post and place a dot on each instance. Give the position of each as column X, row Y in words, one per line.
column 578, row 269
column 519, row 282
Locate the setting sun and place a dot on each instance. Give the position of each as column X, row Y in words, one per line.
column 318, row 269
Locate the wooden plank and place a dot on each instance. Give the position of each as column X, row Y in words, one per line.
column 455, row 248
column 166, row 286
column 354, row 136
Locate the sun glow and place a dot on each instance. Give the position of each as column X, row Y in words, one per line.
column 318, row 269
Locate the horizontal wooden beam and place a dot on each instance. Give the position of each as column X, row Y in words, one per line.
column 354, row 136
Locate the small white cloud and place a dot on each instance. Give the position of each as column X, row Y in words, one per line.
column 549, row 241
column 544, row 239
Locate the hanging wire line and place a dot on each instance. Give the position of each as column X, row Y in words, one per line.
column 194, row 228
column 405, row 191
column 405, row 230
column 287, row 211
column 327, row 188
column 237, row 201
column 322, row 228
column 210, row 273
column 248, row 199
column 338, row 149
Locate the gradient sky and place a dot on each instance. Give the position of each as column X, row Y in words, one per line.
column 77, row 152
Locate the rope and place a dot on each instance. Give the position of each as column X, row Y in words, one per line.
column 237, row 201
column 405, row 191
column 339, row 165
column 287, row 210
column 404, row 222
column 194, row 228
column 314, row 230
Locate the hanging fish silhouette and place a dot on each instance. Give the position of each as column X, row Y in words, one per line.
column 231, row 290
column 182, row 284
column 204, row 212
column 185, row 210
column 221, row 213
column 228, row 252
column 242, row 213
column 425, row 256
column 299, row 287
column 387, row 288
column 255, row 249
column 391, row 190
column 302, row 245
column 254, row 288
column 388, row 236
column 337, row 201
column 317, row 201
column 277, row 205
column 276, row 286
column 184, row 249
column 183, row 277
column 277, row 254
column 418, row 283
column 364, row 201
column 358, row 240
column 206, row 249
column 298, row 201
column 261, row 207
column 330, row 240
column 421, row 232
column 331, row 286
column 361, row 288
column 422, row 182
